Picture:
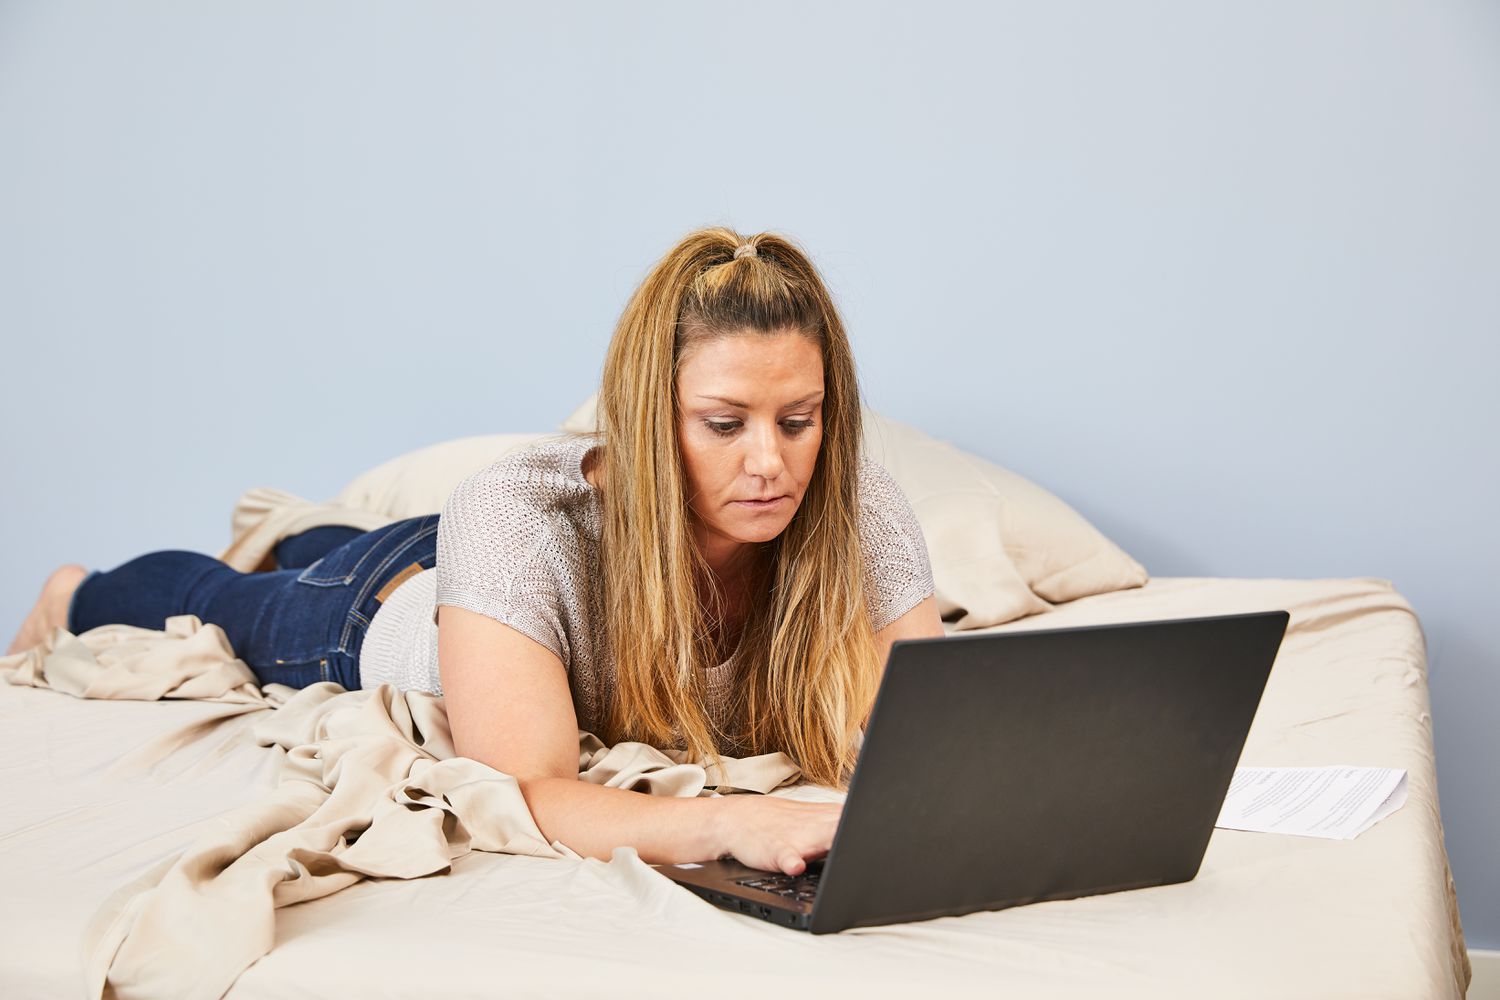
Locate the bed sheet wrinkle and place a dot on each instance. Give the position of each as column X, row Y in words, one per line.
column 150, row 759
column 17, row 839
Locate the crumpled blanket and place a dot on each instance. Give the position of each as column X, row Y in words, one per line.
column 370, row 787
column 264, row 516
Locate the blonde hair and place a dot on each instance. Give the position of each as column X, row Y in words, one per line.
column 807, row 648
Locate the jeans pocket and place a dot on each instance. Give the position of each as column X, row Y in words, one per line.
column 337, row 569
column 368, row 555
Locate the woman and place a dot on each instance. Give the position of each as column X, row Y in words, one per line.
column 717, row 569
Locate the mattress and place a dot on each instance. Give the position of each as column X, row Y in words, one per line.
column 1267, row 915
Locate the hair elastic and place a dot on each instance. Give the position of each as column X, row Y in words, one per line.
column 744, row 250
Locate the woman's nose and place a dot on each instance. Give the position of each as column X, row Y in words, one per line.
column 763, row 454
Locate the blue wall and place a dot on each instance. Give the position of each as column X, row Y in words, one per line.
column 1224, row 276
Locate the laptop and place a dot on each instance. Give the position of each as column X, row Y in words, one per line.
column 1008, row 768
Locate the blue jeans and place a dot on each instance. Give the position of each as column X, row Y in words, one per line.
column 296, row 625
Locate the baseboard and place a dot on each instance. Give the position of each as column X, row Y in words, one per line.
column 1486, row 984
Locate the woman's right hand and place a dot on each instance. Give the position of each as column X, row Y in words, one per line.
column 776, row 834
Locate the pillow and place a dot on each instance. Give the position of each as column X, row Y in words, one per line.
column 419, row 482
column 1001, row 546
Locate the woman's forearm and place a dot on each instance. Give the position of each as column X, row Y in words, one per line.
column 594, row 819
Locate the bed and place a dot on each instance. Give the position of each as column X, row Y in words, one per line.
column 101, row 793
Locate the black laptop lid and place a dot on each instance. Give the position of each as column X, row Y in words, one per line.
column 1008, row 768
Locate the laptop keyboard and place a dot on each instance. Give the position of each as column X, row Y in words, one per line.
column 802, row 887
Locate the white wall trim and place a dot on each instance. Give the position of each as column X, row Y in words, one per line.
column 1486, row 984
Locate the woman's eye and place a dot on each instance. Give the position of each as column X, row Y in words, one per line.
column 726, row 428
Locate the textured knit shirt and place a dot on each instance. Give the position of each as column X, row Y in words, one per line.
column 518, row 542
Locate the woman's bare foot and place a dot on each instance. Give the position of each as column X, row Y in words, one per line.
column 51, row 608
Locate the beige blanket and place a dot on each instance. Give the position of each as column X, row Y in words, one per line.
column 264, row 516
column 369, row 787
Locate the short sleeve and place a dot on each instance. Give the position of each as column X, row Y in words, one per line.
column 496, row 554
column 898, row 570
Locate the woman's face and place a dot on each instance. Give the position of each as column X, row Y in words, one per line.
column 749, row 425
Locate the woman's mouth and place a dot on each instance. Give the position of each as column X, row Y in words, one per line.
column 761, row 504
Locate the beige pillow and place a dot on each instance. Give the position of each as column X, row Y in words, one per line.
column 419, row 482
column 1001, row 546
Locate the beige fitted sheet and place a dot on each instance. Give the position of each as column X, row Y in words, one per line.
column 1267, row 915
